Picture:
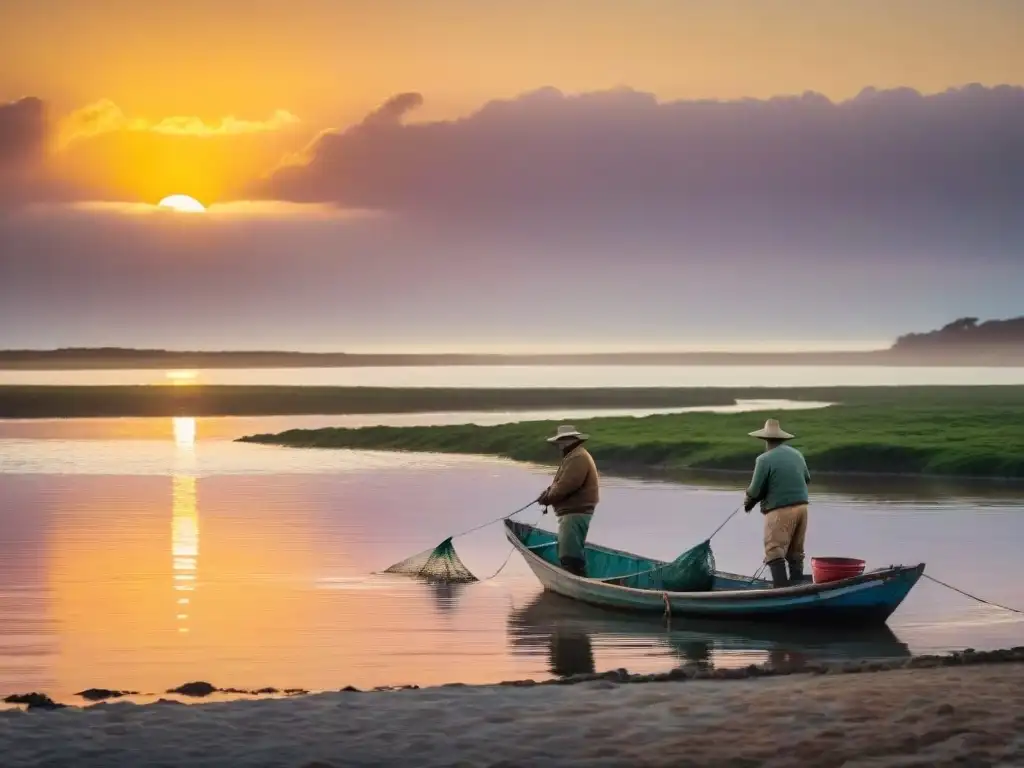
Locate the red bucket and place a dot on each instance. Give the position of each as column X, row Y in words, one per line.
column 835, row 568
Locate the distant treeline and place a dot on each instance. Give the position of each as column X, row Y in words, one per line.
column 967, row 332
column 962, row 342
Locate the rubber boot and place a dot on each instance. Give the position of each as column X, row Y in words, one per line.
column 778, row 568
column 796, row 570
column 574, row 566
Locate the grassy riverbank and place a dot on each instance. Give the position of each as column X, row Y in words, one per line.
column 945, row 431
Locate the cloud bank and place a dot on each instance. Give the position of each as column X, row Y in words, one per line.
column 693, row 223
column 24, row 133
column 622, row 150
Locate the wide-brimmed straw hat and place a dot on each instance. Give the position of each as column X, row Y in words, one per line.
column 771, row 431
column 567, row 432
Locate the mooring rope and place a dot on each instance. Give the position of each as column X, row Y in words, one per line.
column 972, row 597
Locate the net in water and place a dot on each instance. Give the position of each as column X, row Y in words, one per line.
column 440, row 565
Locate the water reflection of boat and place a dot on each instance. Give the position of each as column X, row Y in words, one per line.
column 569, row 629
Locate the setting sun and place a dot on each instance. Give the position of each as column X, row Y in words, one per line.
column 182, row 203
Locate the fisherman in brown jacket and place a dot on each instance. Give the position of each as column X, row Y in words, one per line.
column 573, row 493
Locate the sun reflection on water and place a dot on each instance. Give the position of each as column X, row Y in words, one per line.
column 184, row 543
column 184, row 431
column 184, row 521
column 181, row 377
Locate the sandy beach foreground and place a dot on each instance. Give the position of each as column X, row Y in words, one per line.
column 940, row 716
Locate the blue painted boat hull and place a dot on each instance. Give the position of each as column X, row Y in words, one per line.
column 863, row 600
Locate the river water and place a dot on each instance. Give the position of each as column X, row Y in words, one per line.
column 513, row 376
column 143, row 553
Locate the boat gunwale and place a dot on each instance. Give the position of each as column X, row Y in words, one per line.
column 728, row 595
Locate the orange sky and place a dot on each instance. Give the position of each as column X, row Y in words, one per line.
column 199, row 97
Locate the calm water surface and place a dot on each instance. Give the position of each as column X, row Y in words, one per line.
column 543, row 376
column 143, row 553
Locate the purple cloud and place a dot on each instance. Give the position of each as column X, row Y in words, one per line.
column 624, row 151
column 23, row 138
column 23, row 133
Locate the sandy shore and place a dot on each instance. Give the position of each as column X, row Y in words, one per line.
column 941, row 716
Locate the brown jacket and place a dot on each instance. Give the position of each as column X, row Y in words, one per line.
column 575, row 486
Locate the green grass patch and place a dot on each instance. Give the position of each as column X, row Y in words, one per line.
column 970, row 433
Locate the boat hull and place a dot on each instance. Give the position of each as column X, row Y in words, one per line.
column 863, row 600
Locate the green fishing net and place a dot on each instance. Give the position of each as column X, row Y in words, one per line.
column 692, row 571
column 440, row 565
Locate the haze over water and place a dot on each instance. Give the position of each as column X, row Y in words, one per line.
column 539, row 376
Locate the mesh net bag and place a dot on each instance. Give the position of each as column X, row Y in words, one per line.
column 692, row 571
column 440, row 565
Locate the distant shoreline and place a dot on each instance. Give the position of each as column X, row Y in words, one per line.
column 209, row 400
column 114, row 359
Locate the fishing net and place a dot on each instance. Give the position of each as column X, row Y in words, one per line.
column 440, row 565
column 692, row 571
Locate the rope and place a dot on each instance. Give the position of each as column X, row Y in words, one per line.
column 511, row 549
column 496, row 520
column 666, row 565
column 972, row 597
column 725, row 522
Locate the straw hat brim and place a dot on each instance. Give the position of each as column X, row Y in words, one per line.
column 771, row 435
column 569, row 436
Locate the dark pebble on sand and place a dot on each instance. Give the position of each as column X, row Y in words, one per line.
column 616, row 675
column 99, row 694
column 34, row 701
column 945, row 709
column 350, row 689
column 198, row 688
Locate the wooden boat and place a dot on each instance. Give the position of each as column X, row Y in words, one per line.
column 616, row 580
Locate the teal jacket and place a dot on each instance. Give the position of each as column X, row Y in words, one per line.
column 780, row 479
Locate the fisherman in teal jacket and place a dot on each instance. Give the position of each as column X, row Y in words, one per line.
column 780, row 485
